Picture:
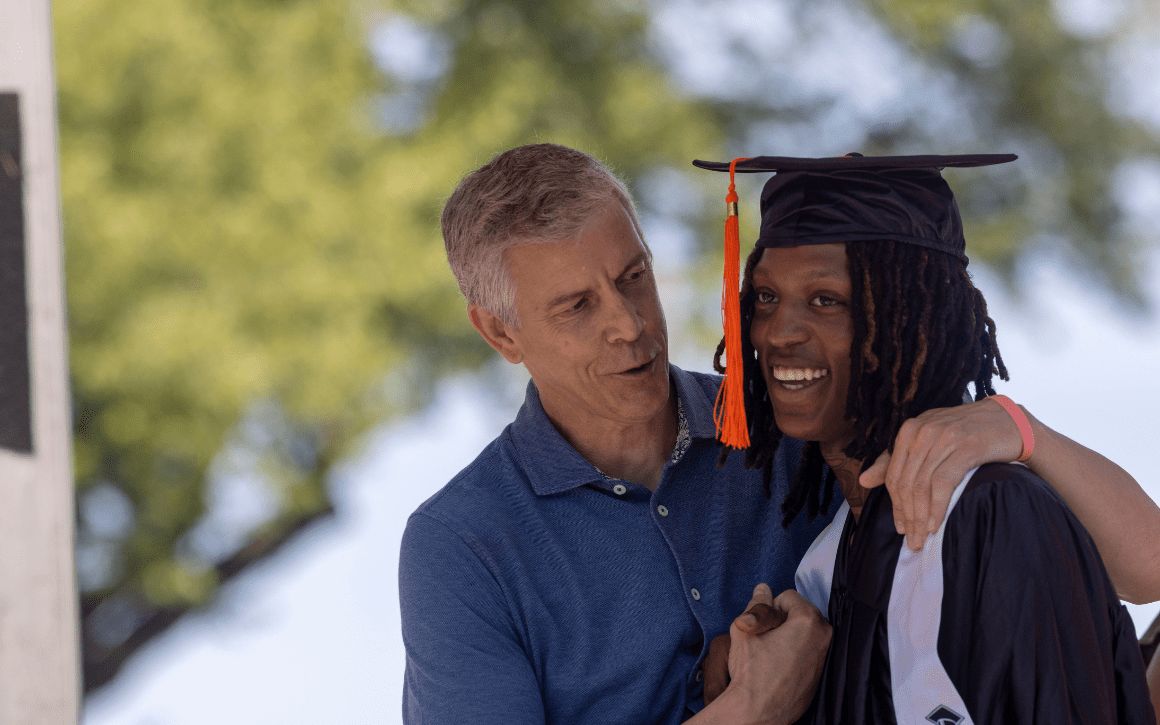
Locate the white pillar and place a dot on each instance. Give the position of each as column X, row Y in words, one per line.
column 39, row 670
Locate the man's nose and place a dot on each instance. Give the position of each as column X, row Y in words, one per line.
column 624, row 322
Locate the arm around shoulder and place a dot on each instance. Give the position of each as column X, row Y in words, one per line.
column 933, row 452
column 465, row 660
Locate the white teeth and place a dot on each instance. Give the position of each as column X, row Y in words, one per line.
column 798, row 374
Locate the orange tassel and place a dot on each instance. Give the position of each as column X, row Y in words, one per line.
column 729, row 410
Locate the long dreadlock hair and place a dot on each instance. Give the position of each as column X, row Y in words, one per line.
column 921, row 333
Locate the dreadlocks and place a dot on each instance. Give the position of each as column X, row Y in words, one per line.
column 921, row 334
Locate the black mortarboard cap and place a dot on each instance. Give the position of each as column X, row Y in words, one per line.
column 837, row 199
column 860, row 198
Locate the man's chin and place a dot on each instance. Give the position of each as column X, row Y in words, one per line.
column 644, row 393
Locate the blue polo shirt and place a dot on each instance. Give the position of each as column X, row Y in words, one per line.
column 534, row 589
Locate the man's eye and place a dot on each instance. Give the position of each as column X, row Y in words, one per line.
column 765, row 298
column 823, row 301
column 580, row 304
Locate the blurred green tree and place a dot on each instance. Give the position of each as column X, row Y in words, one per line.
column 1045, row 76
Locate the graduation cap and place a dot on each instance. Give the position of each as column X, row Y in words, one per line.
column 849, row 198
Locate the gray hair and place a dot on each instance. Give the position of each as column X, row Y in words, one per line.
column 530, row 194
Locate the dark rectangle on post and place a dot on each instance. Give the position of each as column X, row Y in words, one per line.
column 15, row 381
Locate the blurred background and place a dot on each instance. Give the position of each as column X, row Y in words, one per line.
column 271, row 364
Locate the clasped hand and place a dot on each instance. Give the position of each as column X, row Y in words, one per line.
column 770, row 662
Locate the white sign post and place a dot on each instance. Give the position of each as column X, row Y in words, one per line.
column 39, row 652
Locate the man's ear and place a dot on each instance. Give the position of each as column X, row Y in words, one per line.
column 496, row 333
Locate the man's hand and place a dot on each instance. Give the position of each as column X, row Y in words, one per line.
column 757, row 619
column 932, row 453
column 769, row 664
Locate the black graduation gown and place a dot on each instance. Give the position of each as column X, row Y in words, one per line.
column 1006, row 616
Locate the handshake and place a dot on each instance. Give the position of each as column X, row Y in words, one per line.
column 768, row 665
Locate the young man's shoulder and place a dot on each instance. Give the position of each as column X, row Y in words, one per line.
column 1012, row 489
column 1011, row 517
column 1014, row 479
column 1021, row 577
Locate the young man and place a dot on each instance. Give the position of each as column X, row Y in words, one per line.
column 576, row 571
column 857, row 313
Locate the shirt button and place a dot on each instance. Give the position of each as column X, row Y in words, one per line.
column 619, row 489
column 696, row 595
column 662, row 510
column 700, row 675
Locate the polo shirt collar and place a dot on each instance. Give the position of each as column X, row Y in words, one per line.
column 697, row 401
column 554, row 466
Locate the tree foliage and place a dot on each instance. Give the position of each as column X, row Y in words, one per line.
column 1030, row 81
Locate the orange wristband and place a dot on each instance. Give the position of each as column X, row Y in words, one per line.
column 1021, row 423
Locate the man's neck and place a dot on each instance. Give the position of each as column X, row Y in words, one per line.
column 634, row 452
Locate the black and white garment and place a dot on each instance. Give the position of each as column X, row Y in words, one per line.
column 1007, row 615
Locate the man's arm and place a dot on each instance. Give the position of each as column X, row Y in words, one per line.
column 771, row 674
column 933, row 452
column 465, row 663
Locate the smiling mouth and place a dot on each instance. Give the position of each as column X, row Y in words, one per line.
column 797, row 378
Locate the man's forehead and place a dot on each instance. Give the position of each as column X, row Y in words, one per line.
column 609, row 231
column 545, row 272
column 562, row 265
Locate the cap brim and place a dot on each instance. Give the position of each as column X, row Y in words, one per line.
column 759, row 164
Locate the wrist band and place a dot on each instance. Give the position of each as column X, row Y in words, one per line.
column 1021, row 423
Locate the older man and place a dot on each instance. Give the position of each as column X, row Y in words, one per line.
column 576, row 571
